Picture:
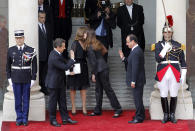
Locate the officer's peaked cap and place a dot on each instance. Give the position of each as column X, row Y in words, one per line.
column 19, row 33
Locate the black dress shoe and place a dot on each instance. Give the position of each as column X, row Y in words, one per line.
column 25, row 123
column 135, row 121
column 95, row 114
column 55, row 123
column 64, row 122
column 117, row 113
column 18, row 123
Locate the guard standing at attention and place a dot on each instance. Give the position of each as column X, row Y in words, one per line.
column 171, row 70
column 21, row 73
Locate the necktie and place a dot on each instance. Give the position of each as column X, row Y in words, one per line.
column 43, row 29
column 103, row 30
column 20, row 50
column 39, row 8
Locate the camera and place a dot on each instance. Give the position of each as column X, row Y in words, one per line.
column 102, row 5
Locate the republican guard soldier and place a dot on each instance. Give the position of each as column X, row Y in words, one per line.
column 21, row 73
column 171, row 70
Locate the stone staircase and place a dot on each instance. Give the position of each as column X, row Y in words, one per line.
column 117, row 79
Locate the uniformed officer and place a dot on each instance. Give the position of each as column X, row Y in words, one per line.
column 171, row 71
column 21, row 74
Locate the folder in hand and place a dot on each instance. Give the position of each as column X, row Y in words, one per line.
column 76, row 69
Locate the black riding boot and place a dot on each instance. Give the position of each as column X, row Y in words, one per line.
column 173, row 105
column 165, row 108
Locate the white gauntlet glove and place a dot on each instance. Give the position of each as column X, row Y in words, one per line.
column 32, row 83
column 166, row 48
column 10, row 81
column 183, row 76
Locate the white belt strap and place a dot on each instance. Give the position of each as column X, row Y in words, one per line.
column 168, row 62
column 23, row 67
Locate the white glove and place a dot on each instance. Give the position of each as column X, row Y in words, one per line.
column 32, row 83
column 183, row 76
column 166, row 48
column 10, row 81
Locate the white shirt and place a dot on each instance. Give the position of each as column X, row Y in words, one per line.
column 134, row 47
column 57, row 51
column 130, row 8
column 62, row 2
column 40, row 25
column 20, row 46
column 41, row 7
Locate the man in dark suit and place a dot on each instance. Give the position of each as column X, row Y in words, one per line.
column 45, row 47
column 43, row 5
column 90, row 9
column 130, row 19
column 135, row 76
column 103, row 21
column 62, row 10
column 55, row 81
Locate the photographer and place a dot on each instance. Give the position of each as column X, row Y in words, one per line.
column 102, row 21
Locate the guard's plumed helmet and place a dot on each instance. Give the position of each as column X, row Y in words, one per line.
column 168, row 28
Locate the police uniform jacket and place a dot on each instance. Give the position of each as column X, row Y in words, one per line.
column 21, row 67
column 176, row 55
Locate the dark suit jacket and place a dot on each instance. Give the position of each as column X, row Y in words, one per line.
column 96, row 60
column 45, row 43
column 56, row 70
column 135, row 68
column 109, row 24
column 68, row 8
column 68, row 20
column 90, row 8
column 49, row 16
column 125, row 22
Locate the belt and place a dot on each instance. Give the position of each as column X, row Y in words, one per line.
column 19, row 68
column 169, row 62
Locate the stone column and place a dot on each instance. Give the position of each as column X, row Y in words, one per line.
column 23, row 14
column 178, row 10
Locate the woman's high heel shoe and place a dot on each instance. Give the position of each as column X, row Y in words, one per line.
column 85, row 113
column 73, row 113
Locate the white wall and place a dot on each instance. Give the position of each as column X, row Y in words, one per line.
column 150, row 20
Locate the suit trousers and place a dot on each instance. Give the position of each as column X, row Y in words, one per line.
column 22, row 97
column 102, row 82
column 138, row 100
column 42, row 74
column 103, row 40
column 57, row 96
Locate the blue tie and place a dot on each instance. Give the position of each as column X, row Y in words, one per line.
column 20, row 50
column 103, row 30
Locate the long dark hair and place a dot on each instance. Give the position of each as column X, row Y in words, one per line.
column 92, row 41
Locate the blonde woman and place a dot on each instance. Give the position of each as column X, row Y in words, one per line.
column 79, row 81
